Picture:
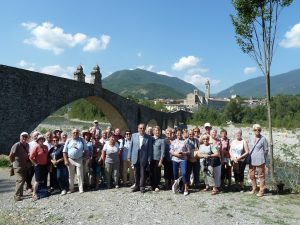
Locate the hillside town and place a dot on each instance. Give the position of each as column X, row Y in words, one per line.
column 194, row 101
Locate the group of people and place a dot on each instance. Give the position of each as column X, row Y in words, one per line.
column 105, row 157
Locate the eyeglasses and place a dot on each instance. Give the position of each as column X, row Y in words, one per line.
column 127, row 134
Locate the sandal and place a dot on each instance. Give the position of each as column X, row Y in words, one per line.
column 34, row 197
column 214, row 192
column 206, row 189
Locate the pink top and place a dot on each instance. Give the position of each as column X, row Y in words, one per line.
column 39, row 155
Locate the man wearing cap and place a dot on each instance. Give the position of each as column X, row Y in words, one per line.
column 19, row 156
column 95, row 129
column 207, row 128
column 73, row 152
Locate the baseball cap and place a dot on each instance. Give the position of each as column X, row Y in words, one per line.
column 24, row 134
column 207, row 125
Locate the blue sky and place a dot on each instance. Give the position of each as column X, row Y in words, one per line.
column 192, row 39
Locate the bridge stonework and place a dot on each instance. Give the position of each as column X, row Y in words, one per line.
column 27, row 98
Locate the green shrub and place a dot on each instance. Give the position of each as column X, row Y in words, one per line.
column 4, row 161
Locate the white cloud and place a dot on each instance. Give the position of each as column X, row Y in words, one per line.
column 292, row 38
column 149, row 68
column 198, row 80
column 139, row 54
column 186, row 62
column 52, row 38
column 249, row 70
column 94, row 44
column 26, row 65
column 59, row 71
column 165, row 73
column 29, row 25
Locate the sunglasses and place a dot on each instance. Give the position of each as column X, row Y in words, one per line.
column 257, row 130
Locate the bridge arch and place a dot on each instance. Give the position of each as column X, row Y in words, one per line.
column 28, row 97
column 112, row 114
column 152, row 123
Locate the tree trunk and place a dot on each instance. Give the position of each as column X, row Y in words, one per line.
column 272, row 175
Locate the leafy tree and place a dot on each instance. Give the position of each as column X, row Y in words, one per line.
column 255, row 25
column 233, row 111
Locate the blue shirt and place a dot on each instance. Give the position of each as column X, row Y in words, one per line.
column 75, row 148
column 90, row 148
column 125, row 149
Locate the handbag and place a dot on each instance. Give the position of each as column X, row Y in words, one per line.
column 214, row 161
column 247, row 160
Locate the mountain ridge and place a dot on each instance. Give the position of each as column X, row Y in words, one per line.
column 145, row 84
column 286, row 83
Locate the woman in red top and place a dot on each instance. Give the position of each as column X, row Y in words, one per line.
column 39, row 158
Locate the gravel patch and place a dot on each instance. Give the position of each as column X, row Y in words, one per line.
column 121, row 206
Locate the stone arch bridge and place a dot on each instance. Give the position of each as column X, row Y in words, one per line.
column 27, row 98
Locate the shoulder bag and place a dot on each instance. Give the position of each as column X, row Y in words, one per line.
column 247, row 159
column 214, row 161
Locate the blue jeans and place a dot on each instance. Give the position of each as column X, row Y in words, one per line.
column 63, row 177
column 183, row 171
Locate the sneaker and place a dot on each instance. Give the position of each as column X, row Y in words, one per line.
column 175, row 188
column 185, row 193
column 80, row 192
column 156, row 190
column 117, row 186
column 63, row 192
column 132, row 186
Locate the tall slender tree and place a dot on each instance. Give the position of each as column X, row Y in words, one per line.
column 255, row 24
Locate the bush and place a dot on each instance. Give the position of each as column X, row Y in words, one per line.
column 4, row 161
column 287, row 167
